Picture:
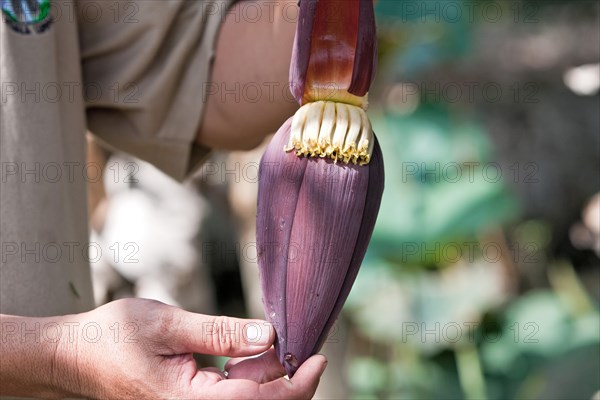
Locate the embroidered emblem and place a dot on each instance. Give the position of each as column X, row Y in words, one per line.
column 27, row 16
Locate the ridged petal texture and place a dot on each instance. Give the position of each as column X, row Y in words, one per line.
column 335, row 50
column 365, row 60
column 314, row 222
column 280, row 178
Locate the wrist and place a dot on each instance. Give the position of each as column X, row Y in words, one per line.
column 30, row 349
column 69, row 357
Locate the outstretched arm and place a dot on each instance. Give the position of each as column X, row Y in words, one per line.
column 135, row 348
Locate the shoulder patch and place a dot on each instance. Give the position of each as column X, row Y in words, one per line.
column 27, row 16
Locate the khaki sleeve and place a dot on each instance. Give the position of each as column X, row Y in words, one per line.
column 43, row 218
column 145, row 68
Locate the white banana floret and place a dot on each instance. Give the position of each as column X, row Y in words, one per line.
column 366, row 142
column 351, row 142
column 298, row 122
column 342, row 121
column 326, row 132
column 310, row 135
column 336, row 130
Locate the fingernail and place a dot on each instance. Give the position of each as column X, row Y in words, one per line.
column 324, row 365
column 258, row 334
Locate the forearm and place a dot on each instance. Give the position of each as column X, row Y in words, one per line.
column 250, row 96
column 31, row 351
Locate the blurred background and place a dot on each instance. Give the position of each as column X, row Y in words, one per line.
column 482, row 280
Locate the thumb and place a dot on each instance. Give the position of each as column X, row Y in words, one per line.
column 220, row 335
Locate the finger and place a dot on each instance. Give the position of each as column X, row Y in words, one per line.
column 209, row 375
column 261, row 369
column 222, row 336
column 216, row 371
column 302, row 386
column 235, row 361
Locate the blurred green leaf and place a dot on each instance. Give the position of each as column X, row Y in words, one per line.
column 539, row 323
column 399, row 307
column 439, row 186
column 367, row 375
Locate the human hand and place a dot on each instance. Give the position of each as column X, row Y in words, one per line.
column 136, row 348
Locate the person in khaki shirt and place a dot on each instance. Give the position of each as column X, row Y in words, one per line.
column 165, row 81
